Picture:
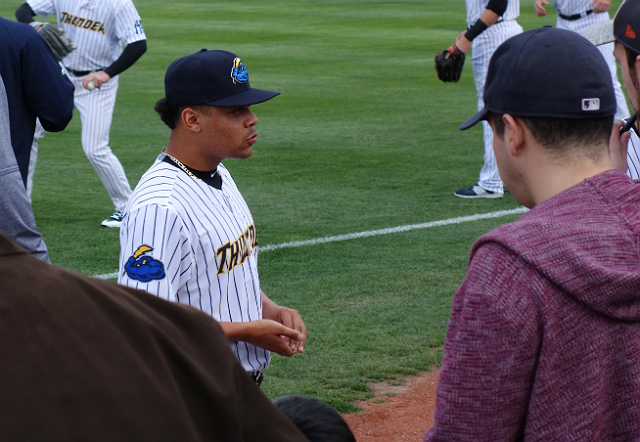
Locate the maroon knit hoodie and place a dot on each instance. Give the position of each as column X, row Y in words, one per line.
column 543, row 342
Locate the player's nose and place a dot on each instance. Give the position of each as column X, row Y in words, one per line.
column 252, row 120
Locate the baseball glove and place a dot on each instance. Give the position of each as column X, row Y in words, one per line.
column 58, row 40
column 449, row 64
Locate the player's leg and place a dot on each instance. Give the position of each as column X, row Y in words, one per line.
column 33, row 157
column 579, row 26
column 96, row 112
column 489, row 184
column 622, row 111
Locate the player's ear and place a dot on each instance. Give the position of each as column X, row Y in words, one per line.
column 191, row 119
column 514, row 133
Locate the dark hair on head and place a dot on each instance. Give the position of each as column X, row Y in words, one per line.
column 556, row 133
column 170, row 113
column 316, row 420
column 631, row 57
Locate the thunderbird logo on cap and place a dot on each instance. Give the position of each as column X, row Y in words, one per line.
column 239, row 72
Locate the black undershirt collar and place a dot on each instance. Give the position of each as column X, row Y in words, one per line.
column 212, row 178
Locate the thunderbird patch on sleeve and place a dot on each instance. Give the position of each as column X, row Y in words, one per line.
column 144, row 268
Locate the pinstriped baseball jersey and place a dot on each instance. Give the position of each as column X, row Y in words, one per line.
column 633, row 156
column 98, row 28
column 475, row 8
column 186, row 241
column 483, row 47
column 572, row 7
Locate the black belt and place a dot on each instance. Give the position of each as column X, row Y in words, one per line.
column 575, row 16
column 82, row 73
column 257, row 377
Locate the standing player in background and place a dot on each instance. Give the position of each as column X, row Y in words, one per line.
column 99, row 29
column 26, row 66
column 622, row 31
column 187, row 234
column 490, row 22
column 577, row 16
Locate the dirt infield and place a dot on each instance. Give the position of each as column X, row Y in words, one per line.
column 396, row 413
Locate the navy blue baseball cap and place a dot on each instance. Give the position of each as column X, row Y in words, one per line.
column 218, row 78
column 547, row 72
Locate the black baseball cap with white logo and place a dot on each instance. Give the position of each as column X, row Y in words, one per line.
column 547, row 72
column 218, row 78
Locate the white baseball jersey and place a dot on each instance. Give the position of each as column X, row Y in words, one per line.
column 475, row 8
column 483, row 47
column 633, row 156
column 97, row 27
column 186, row 241
column 575, row 7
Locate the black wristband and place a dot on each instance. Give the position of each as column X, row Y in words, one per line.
column 475, row 30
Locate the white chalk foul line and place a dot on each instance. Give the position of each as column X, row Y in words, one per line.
column 348, row 236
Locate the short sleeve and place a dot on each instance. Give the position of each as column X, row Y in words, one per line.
column 155, row 252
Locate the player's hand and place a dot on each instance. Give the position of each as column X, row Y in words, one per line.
column 272, row 336
column 291, row 318
column 462, row 43
column 600, row 5
column 539, row 7
column 618, row 146
column 98, row 79
column 287, row 317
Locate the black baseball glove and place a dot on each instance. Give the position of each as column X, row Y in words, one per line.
column 449, row 64
column 58, row 40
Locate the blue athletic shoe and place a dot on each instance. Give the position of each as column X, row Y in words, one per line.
column 476, row 192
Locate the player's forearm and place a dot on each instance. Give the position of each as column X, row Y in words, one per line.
column 269, row 308
column 129, row 56
column 236, row 331
column 489, row 17
column 24, row 14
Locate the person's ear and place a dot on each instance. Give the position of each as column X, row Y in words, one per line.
column 191, row 119
column 514, row 134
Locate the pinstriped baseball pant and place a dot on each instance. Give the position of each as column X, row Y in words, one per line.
column 483, row 48
column 96, row 113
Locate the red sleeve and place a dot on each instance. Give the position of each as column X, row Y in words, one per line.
column 490, row 353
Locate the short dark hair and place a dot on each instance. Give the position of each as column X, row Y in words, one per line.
column 170, row 113
column 554, row 133
column 631, row 57
column 318, row 421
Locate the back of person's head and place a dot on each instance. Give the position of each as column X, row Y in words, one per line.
column 316, row 420
column 557, row 82
column 559, row 133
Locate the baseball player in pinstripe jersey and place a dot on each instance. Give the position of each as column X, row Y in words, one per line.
column 490, row 23
column 99, row 29
column 621, row 32
column 187, row 233
column 577, row 16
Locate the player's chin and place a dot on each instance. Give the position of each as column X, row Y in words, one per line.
column 246, row 152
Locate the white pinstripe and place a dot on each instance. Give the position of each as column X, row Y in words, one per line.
column 633, row 156
column 483, row 47
column 187, row 223
column 99, row 28
column 571, row 7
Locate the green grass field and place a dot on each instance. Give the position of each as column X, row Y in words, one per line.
column 363, row 137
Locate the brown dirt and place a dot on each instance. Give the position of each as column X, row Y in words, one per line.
column 396, row 413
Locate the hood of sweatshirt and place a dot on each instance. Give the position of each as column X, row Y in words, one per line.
column 586, row 242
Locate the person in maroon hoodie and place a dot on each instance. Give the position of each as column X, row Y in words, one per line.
column 543, row 342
